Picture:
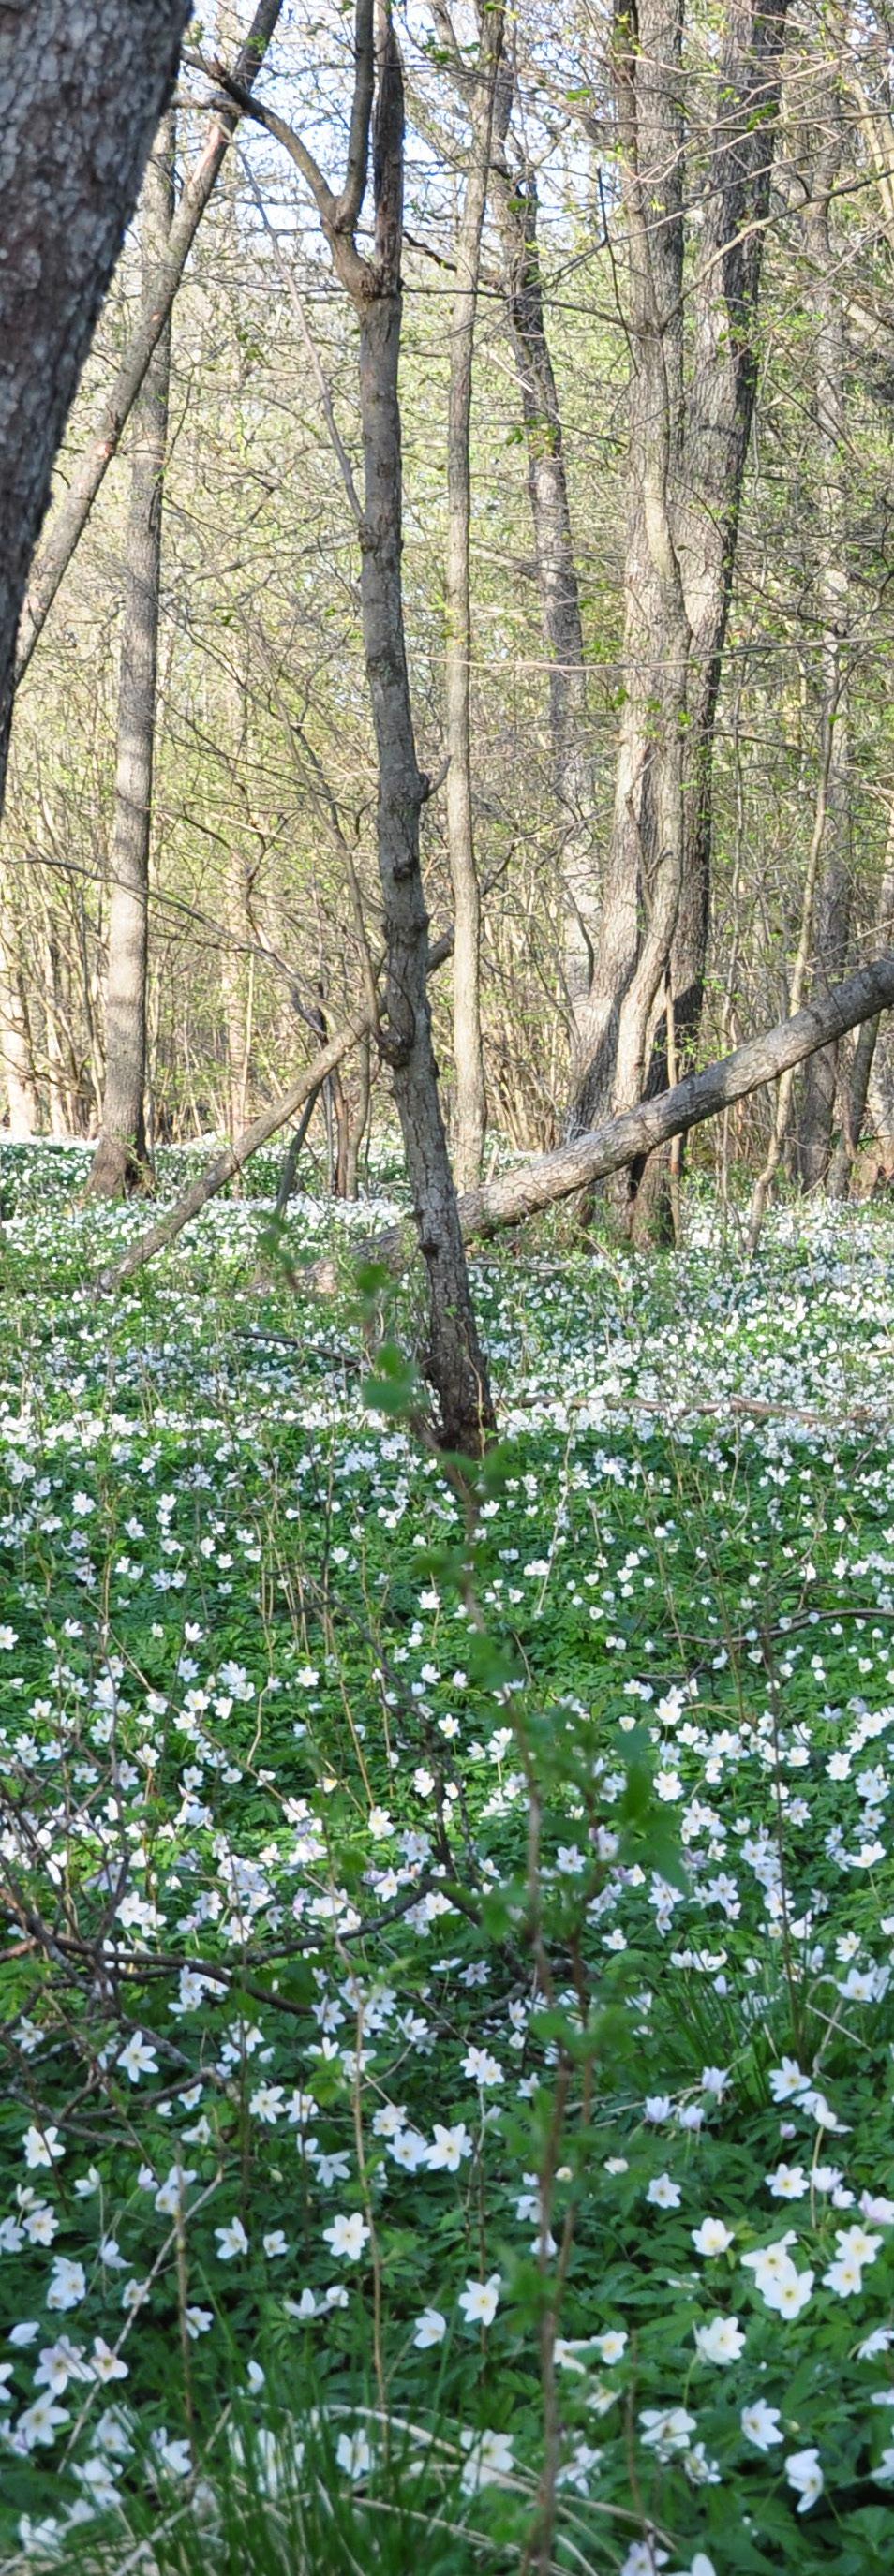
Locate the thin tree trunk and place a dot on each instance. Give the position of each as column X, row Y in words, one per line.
column 856, row 1090
column 833, row 905
column 81, row 102
column 121, row 1161
column 764, row 1182
column 515, row 200
column 16, row 1064
column 72, row 513
column 468, row 1054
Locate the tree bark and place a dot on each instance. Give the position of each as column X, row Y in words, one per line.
column 816, row 1112
column 468, row 1053
column 121, row 1160
column 687, row 464
column 72, row 513
column 515, row 199
column 80, row 99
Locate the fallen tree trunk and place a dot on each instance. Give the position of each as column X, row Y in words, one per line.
column 72, row 513
column 230, row 1161
column 547, row 1177
column 619, row 1141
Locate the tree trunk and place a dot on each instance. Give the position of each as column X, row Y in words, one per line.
column 121, row 1159
column 515, row 198
column 468, row 1055
column 833, row 903
column 686, row 468
column 16, row 1064
column 454, row 1361
column 643, row 885
column 142, row 16
column 857, row 1089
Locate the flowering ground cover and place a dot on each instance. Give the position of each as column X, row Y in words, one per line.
column 448, row 1934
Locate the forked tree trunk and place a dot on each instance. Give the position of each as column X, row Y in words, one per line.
column 468, row 1052
column 121, row 1161
column 454, row 1360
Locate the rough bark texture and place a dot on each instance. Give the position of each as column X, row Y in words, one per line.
column 833, row 900
column 121, row 1160
column 468, row 1053
column 515, row 200
column 687, row 462
column 82, row 88
column 144, row 19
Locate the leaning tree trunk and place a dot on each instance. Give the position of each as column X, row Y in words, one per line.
column 468, row 1053
column 833, row 902
column 82, row 94
column 515, row 199
column 121, row 1161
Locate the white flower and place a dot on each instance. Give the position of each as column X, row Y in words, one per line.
column 138, row 2058
column 353, row 2454
column 275, row 2242
column 666, row 2429
column 431, row 2329
column 482, row 2068
column 789, row 2182
column 490, row 2457
column 41, row 2147
column 883, row 2476
column 68, row 2284
column 721, row 2341
column 197, row 2321
column 106, row 2364
column 803, row 2472
column 347, row 2236
column 663, row 2193
column 760, row 2424
column 479, row 2301
column 449, row 2148
column 787, row 2081
column 267, row 2103
column 612, row 2345
column 40, row 2423
column 231, row 2240
column 712, row 2237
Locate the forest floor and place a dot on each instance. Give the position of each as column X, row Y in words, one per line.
column 448, row 2029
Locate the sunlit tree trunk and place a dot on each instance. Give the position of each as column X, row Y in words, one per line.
column 121, row 1159
column 468, row 1053
column 816, row 1111
column 515, row 201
